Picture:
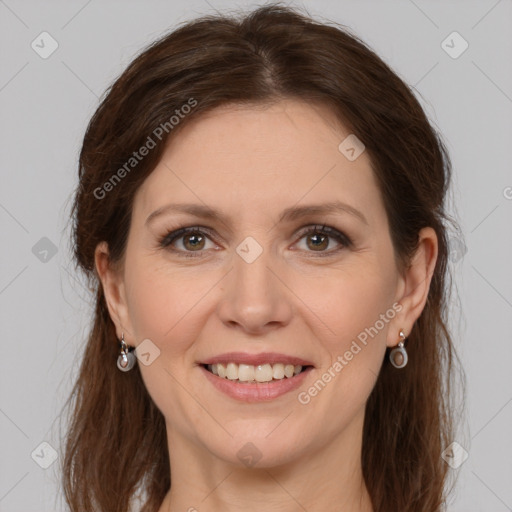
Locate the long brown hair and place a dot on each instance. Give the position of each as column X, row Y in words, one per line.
column 116, row 445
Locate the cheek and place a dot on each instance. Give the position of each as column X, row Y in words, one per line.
column 353, row 310
column 163, row 307
column 349, row 304
column 161, row 302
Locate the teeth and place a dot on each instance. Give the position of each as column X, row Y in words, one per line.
column 245, row 372
column 278, row 371
column 288, row 370
column 260, row 373
column 263, row 373
column 232, row 371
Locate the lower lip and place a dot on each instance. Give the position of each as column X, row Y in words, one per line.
column 260, row 392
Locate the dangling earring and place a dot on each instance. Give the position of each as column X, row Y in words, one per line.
column 126, row 359
column 398, row 356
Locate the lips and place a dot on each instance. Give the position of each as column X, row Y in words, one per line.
column 255, row 377
column 255, row 391
column 256, row 359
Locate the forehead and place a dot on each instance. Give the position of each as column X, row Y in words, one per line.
column 260, row 158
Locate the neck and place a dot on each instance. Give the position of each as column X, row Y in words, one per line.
column 328, row 474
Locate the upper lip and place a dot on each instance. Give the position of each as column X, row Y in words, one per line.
column 256, row 359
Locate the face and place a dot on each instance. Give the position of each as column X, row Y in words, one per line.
column 257, row 284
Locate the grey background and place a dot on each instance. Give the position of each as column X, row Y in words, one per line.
column 45, row 105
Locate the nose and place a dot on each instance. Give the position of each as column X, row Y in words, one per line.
column 256, row 298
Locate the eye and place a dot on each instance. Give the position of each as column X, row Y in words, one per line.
column 193, row 240
column 318, row 239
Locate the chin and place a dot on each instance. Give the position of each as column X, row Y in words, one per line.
column 260, row 451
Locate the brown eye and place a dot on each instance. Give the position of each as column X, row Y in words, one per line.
column 192, row 240
column 318, row 239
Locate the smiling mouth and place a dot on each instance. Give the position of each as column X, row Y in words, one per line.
column 254, row 374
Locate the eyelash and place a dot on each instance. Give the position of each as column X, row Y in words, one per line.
column 171, row 236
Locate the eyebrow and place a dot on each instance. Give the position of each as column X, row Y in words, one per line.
column 287, row 215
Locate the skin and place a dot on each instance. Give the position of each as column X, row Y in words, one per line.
column 252, row 162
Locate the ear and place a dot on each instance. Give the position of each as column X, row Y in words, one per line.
column 112, row 281
column 414, row 285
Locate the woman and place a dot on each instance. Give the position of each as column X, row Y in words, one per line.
column 261, row 213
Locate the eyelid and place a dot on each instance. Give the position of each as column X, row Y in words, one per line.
column 175, row 234
column 324, row 228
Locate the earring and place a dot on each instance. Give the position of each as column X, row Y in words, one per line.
column 126, row 359
column 398, row 356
